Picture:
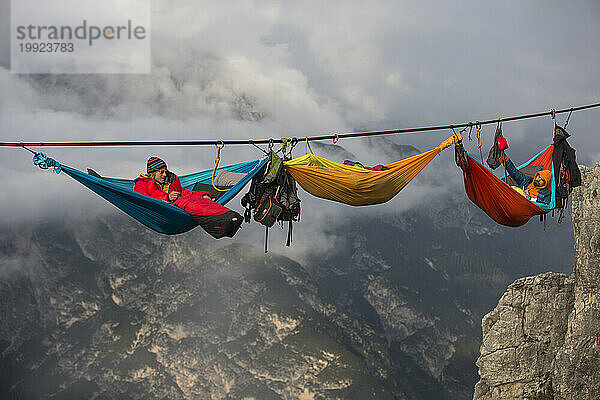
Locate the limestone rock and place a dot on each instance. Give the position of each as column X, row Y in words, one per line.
column 542, row 341
column 577, row 371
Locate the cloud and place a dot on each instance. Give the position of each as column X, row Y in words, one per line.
column 260, row 69
column 12, row 268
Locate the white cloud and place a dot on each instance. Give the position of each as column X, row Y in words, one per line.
column 260, row 69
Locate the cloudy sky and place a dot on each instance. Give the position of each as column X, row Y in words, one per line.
column 260, row 69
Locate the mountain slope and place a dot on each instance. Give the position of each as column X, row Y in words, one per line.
column 104, row 308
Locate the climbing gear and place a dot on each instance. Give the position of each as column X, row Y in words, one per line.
column 565, row 163
column 493, row 159
column 272, row 197
column 217, row 159
column 460, row 157
column 478, row 127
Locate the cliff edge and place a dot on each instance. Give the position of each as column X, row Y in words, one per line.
column 542, row 341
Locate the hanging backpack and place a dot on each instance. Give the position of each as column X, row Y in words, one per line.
column 460, row 157
column 493, row 159
column 565, row 164
column 273, row 196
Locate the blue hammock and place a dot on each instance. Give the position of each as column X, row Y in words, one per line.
column 155, row 214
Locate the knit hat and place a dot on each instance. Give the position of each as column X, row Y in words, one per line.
column 155, row 164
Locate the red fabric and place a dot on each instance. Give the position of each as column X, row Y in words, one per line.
column 544, row 159
column 501, row 202
column 148, row 187
column 197, row 205
column 190, row 201
column 502, row 143
column 376, row 168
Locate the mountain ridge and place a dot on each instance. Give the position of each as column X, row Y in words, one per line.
column 102, row 307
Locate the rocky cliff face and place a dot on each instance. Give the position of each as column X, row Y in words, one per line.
column 542, row 341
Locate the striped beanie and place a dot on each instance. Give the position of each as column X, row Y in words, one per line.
column 155, row 164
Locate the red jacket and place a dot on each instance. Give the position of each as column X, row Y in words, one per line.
column 190, row 201
column 149, row 187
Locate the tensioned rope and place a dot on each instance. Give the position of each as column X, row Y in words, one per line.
column 334, row 136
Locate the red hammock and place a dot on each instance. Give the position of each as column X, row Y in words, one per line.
column 501, row 202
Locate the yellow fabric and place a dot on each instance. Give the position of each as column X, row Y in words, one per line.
column 532, row 190
column 520, row 191
column 355, row 185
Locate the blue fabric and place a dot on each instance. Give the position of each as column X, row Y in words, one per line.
column 155, row 214
column 522, row 180
column 44, row 162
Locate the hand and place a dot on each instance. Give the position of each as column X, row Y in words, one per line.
column 174, row 195
column 503, row 158
column 206, row 196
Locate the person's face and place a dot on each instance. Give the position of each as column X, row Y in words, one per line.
column 160, row 176
column 539, row 181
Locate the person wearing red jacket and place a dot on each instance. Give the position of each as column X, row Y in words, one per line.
column 162, row 184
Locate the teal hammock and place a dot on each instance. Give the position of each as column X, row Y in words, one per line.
column 155, row 214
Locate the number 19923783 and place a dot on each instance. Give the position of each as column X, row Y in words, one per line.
column 49, row 47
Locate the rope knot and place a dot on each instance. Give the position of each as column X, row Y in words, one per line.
column 45, row 162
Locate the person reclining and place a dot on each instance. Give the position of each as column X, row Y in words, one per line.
column 536, row 188
column 160, row 183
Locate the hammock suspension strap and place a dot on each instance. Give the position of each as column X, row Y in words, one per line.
column 45, row 162
column 293, row 143
column 259, row 148
column 478, row 127
column 502, row 152
column 568, row 118
column 217, row 159
column 28, row 149
column 470, row 131
column 307, row 147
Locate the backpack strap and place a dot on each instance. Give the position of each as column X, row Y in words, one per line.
column 266, row 238
column 289, row 236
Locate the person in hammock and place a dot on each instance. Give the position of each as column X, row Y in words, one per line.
column 160, row 183
column 536, row 188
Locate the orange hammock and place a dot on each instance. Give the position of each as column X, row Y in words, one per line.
column 501, row 202
column 358, row 186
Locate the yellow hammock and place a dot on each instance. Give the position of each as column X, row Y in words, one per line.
column 355, row 185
